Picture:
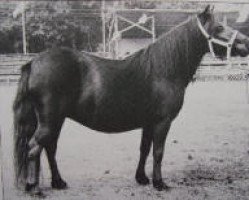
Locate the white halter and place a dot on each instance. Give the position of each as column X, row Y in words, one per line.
column 212, row 40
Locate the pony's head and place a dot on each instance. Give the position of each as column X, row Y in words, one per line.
column 223, row 41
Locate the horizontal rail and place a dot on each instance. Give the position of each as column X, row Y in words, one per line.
column 10, row 64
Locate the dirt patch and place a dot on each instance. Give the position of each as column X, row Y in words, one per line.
column 206, row 154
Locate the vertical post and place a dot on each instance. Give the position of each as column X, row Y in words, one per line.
column 103, row 25
column 225, row 20
column 24, row 32
column 247, row 92
column 1, row 170
column 110, row 32
column 116, row 48
column 153, row 29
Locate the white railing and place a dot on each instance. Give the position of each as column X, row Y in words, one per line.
column 210, row 67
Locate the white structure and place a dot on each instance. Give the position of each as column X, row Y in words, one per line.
column 20, row 10
column 1, row 170
column 120, row 47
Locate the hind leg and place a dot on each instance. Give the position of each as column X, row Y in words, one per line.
column 50, row 120
column 43, row 130
column 57, row 181
column 33, row 170
column 32, row 182
column 49, row 125
column 145, row 146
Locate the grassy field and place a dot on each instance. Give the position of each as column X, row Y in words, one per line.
column 206, row 155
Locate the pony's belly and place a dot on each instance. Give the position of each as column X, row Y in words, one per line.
column 109, row 122
column 107, row 126
column 112, row 128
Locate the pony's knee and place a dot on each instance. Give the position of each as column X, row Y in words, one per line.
column 158, row 155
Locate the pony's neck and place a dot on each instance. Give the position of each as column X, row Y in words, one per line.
column 178, row 53
column 192, row 48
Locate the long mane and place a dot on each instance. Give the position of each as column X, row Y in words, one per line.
column 176, row 54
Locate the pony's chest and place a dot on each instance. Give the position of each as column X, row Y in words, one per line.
column 168, row 99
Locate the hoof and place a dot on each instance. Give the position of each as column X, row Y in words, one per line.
column 59, row 184
column 33, row 190
column 160, row 185
column 142, row 179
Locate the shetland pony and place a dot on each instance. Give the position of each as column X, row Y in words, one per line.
column 145, row 90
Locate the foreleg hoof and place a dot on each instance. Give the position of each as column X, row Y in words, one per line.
column 142, row 179
column 160, row 185
column 59, row 184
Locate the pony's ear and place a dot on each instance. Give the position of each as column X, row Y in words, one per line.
column 209, row 10
column 207, row 13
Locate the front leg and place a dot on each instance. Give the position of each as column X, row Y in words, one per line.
column 159, row 136
column 145, row 146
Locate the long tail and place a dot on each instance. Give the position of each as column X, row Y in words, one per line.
column 25, row 124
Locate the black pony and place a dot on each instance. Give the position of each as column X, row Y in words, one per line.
column 145, row 90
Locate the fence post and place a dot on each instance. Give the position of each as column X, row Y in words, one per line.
column 247, row 92
column 153, row 29
column 1, row 170
column 24, row 32
column 103, row 25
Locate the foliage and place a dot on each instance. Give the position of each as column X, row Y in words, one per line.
column 51, row 24
column 11, row 40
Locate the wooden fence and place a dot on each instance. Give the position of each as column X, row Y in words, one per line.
column 10, row 66
column 215, row 69
column 210, row 69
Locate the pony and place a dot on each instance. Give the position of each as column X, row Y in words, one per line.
column 145, row 90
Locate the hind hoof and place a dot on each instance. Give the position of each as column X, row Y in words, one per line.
column 33, row 190
column 59, row 184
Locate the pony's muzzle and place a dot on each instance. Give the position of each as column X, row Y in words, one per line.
column 241, row 46
column 240, row 50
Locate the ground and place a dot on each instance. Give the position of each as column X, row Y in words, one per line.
column 206, row 154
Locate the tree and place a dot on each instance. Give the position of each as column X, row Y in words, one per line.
column 56, row 23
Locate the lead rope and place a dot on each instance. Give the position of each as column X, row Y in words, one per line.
column 230, row 44
column 41, row 171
